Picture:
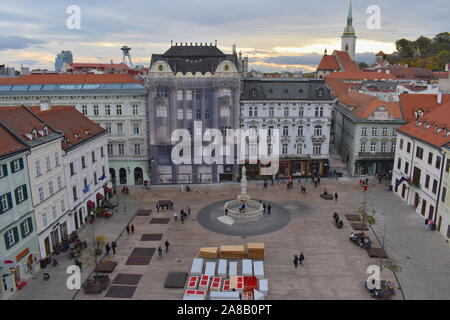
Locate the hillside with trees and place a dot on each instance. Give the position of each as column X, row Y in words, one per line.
column 423, row 52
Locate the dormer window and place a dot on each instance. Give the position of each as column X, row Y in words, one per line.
column 45, row 131
column 76, row 135
column 320, row 92
column 253, row 92
column 34, row 134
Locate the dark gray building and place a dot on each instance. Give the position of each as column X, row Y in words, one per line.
column 187, row 83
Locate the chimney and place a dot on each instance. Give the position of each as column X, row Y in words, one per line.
column 439, row 98
column 45, row 105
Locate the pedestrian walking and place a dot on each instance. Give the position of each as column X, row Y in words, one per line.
column 318, row 180
column 132, row 228
column 160, row 256
column 182, row 219
column 113, row 247
column 167, row 244
column 367, row 181
column 335, row 196
column 226, row 211
column 264, row 208
column 301, row 259
column 315, row 184
column 295, row 261
column 189, row 210
column 157, row 207
column 79, row 264
column 269, row 207
column 128, row 228
column 107, row 248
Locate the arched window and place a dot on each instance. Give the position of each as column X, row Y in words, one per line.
column 161, row 112
column 300, row 112
column 318, row 130
column 271, row 112
column 225, row 112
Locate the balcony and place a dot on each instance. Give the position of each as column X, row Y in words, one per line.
column 318, row 138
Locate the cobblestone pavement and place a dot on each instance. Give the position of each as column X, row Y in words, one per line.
column 423, row 255
column 55, row 288
column 334, row 268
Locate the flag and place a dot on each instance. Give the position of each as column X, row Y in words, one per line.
column 402, row 179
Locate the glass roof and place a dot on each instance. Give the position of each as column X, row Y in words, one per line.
column 43, row 87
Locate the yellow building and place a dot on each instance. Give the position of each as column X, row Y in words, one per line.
column 443, row 220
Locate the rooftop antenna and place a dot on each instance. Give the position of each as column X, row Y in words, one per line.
column 216, row 43
column 126, row 53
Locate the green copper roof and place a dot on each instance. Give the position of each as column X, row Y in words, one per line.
column 349, row 30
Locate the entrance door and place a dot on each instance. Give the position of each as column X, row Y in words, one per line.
column 440, row 223
column 416, row 201
column 47, row 246
column 55, row 237
column 424, row 207
column 431, row 213
column 403, row 191
column 75, row 216
column 17, row 274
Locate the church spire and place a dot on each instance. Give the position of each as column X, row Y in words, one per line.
column 350, row 16
column 349, row 30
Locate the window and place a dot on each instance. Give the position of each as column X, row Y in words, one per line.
column 225, row 112
column 107, row 109
column 119, row 128
column 286, row 112
column 137, row 149
column 95, row 178
column 300, row 131
column 38, row 168
column 41, row 194
column 27, row 227
column 74, row 193
column 180, row 95
column 180, row 114
column 83, row 162
column 110, row 149
column 363, row 146
column 430, row 158
column 102, row 152
column 394, row 131
column 44, row 219
column 270, row 131
column 255, row 112
column 299, row 148
column 84, row 110
column 271, row 112
column 135, row 110
column 285, row 131
column 63, row 206
column 374, row 131
column 419, row 153
column 85, row 184
column 72, row 169
column 121, row 149
column 416, row 176
column 319, row 112
column 198, row 95
column 206, row 114
column 57, row 163
column 399, row 164
column 189, row 114
column 21, row 194
column 406, row 167
column 373, row 146
column 393, row 145
column 438, row 162
column 54, row 213
column 93, row 156
column 427, row 181
column 189, row 95
column 253, row 93
column 108, row 127
column 317, row 148
column 269, row 149
column 383, row 146
column 401, row 144
column 447, row 166
column 136, row 128
column 16, row 165
column 385, row 131
column 11, row 237
column 284, row 149
column 47, row 161
column 444, row 194
column 95, row 110
column 162, row 92
column 198, row 114
column 3, row 170
column 317, row 130
column 435, row 185
column 118, row 110
column 5, row 202
column 408, row 147
column 50, row 187
column 300, row 112
column 364, row 131
column 161, row 112
column 59, row 183
column 250, row 112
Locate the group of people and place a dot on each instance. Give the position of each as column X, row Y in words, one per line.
column 113, row 246
column 160, row 250
column 299, row 260
column 267, row 207
column 360, row 240
column 130, row 228
column 125, row 190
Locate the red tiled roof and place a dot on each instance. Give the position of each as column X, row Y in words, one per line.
column 345, row 62
column 21, row 121
column 339, row 87
column 71, row 122
column 381, row 53
column 9, row 143
column 411, row 73
column 440, row 117
column 366, row 105
column 68, row 78
column 441, row 74
column 361, row 75
column 328, row 63
column 413, row 102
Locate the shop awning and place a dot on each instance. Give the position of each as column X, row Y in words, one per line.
column 107, row 189
column 99, row 196
column 91, row 204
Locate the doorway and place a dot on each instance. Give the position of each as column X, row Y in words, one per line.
column 75, row 217
column 424, row 207
column 122, row 176
column 47, row 246
column 80, row 214
column 416, row 200
column 138, row 176
column 431, row 213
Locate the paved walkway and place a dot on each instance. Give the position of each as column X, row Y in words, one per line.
column 55, row 288
column 423, row 255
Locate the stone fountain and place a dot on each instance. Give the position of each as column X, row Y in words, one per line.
column 243, row 209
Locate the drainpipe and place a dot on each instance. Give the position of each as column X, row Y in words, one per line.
column 412, row 166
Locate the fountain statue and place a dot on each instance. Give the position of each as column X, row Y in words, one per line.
column 243, row 209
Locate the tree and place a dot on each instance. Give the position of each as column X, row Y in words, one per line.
column 424, row 45
column 362, row 65
column 405, row 48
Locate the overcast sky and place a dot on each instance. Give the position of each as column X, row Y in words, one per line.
column 276, row 35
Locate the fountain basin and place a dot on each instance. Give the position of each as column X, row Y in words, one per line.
column 253, row 212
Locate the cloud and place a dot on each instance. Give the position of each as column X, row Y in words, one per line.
column 309, row 59
column 28, row 62
column 17, row 42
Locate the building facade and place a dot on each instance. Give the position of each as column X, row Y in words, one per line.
column 190, row 83
column 18, row 239
column 117, row 102
column 443, row 220
column 301, row 110
column 62, row 58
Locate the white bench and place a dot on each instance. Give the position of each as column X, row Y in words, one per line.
column 197, row 267
column 220, row 295
column 210, row 269
column 233, row 268
column 222, row 270
column 247, row 268
column 258, row 269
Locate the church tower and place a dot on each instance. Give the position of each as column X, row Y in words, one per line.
column 349, row 36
